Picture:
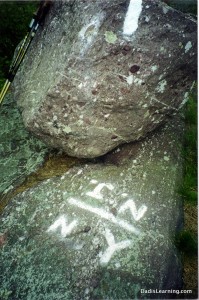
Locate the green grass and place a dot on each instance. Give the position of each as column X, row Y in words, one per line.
column 186, row 240
column 188, row 189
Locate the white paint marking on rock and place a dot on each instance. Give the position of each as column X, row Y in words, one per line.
column 132, row 17
column 62, row 224
column 96, row 193
column 104, row 214
column 137, row 214
column 113, row 247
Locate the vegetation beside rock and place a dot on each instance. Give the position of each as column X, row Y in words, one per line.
column 187, row 240
column 189, row 184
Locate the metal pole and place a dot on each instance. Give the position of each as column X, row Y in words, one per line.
column 34, row 24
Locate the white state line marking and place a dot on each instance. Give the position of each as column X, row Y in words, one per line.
column 112, row 247
column 96, row 193
column 61, row 223
column 104, row 214
column 136, row 213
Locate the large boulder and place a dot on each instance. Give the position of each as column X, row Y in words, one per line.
column 102, row 73
column 100, row 231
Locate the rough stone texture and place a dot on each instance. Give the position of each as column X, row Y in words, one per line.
column 101, row 231
column 85, row 87
column 20, row 152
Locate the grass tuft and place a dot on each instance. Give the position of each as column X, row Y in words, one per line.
column 188, row 189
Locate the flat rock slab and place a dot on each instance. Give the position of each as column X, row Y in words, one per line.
column 105, row 72
column 101, row 231
column 20, row 152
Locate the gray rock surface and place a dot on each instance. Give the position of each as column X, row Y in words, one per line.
column 89, row 84
column 101, row 231
column 20, row 152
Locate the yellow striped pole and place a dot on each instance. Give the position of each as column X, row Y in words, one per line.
column 16, row 63
column 13, row 70
column 4, row 90
column 34, row 24
column 18, row 54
